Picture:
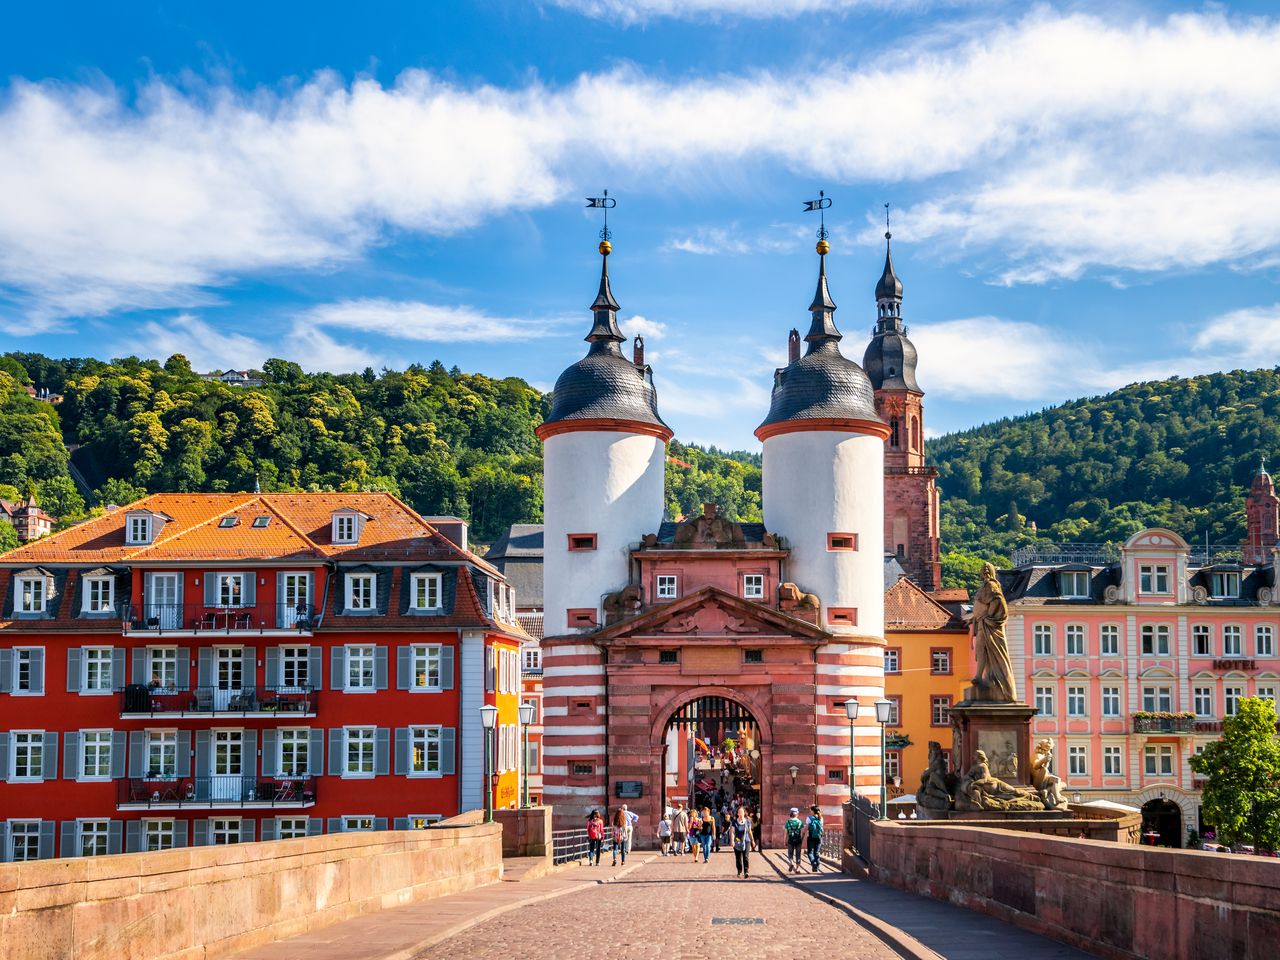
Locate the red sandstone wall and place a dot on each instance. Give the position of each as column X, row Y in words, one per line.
column 209, row 902
column 1113, row 900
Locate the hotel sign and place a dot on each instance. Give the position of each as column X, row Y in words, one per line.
column 1235, row 665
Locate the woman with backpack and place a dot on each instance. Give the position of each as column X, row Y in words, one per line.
column 595, row 837
column 794, row 828
column 664, row 833
column 743, row 841
column 813, row 835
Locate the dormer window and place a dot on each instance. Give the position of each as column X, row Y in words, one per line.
column 138, row 528
column 32, row 594
column 228, row 522
column 1153, row 578
column 1226, row 585
column 261, row 522
column 346, row 527
column 1073, row 584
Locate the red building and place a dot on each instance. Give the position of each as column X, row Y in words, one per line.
column 214, row 668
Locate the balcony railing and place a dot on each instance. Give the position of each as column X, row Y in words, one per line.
column 199, row 618
column 1096, row 554
column 233, row 790
column 1166, row 724
column 295, row 701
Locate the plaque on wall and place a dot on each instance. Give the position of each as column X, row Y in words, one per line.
column 628, row 789
column 1002, row 755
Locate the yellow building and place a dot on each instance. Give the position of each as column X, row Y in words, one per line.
column 928, row 662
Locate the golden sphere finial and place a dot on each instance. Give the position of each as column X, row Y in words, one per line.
column 605, row 248
column 823, row 247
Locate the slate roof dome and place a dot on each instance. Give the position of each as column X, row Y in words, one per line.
column 889, row 287
column 605, row 385
column 823, row 384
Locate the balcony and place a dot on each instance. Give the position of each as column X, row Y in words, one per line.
column 214, row 793
column 197, row 619
column 140, row 701
column 1146, row 722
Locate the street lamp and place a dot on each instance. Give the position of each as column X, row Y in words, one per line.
column 488, row 720
column 851, row 711
column 883, row 711
column 526, row 718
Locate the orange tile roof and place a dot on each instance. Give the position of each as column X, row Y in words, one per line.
column 906, row 606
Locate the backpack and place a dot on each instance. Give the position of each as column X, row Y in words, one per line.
column 794, row 827
column 595, row 830
column 815, row 828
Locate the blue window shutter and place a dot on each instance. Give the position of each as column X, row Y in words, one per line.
column 379, row 823
column 4, row 756
column 70, row 831
column 184, row 753
column 119, row 753
column 133, row 836
column 37, row 671
column 4, row 841
column 6, row 670
column 204, row 669
column 338, row 668
column 270, row 753
column 380, row 668
column 269, row 828
column 249, row 666
column 337, row 751
column 446, row 667
column 204, row 753
column 117, row 667
column 448, row 746
column 248, row 830
column 200, row 829
column 273, row 663
column 402, row 823
column 137, row 753
column 71, row 755
column 183, row 668
column 335, row 825
column 210, row 590
column 382, row 752
column 250, row 590
column 281, row 614
column 73, row 670
column 139, row 666
column 49, row 762
column 402, row 750
column 315, row 753
column 115, row 836
column 404, row 668
column 315, row 826
column 249, row 761
column 180, row 833
column 47, row 830
column 314, row 667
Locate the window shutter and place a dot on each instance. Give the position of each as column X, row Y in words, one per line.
column 281, row 614
column 379, row 823
column 249, row 765
column 73, row 669
column 69, row 830
column 315, row 665
column 249, row 589
column 274, row 658
column 137, row 753
column 335, row 825
column 382, row 752
column 448, row 747
column 133, row 837
column 382, row 588
column 4, row 841
column 37, row 671
column 6, row 671
column 49, row 761
column 249, row 666
column 248, row 830
column 380, row 668
column 117, row 667
column 446, row 667
column 71, row 756
column 204, row 755
column 402, row 823
column 404, row 668
column 337, row 751
column 119, row 752
column 402, row 750
column 183, row 768
column 182, row 668
column 315, row 826
column 200, row 830
column 270, row 753
column 4, row 756
column 138, row 665
column 210, row 590
column 204, row 669
column 47, row 829
column 269, row 829
column 338, row 668
column 315, row 753
column 179, row 833
column 115, row 834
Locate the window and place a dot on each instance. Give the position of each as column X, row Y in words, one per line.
column 1076, row 700
column 356, row 824
column 425, row 592
column 753, row 586
column 1110, row 640
column 97, row 669
column 426, row 668
column 1044, row 701
column 295, row 667
column 667, row 586
column 260, row 522
column 1074, row 583
column 158, row 834
column 581, row 616
column 1155, row 639
column 892, row 660
column 99, row 594
column 1202, row 698
column 579, row 769
column 1043, row 639
column 28, row 756
column 1264, row 644
column 139, row 529
column 291, row 828
column 95, row 754
column 344, row 528
column 1226, row 585
column 360, row 749
column 1111, row 701
column 1231, row 697
column 1077, row 760
column 360, row 591
column 295, row 753
column 842, row 616
column 532, row 657
column 24, row 840
column 1201, row 640
column 31, row 592
column 895, row 710
column 940, row 661
column 531, row 757
column 1159, row 760
column 162, row 753
column 1267, row 693
column 940, row 711
column 893, row 765
column 1075, row 640
column 1157, row 699
column 490, row 669
column 230, row 589
column 163, row 662
column 842, row 541
column 28, row 670
column 1112, row 761
column 668, row 656
column 753, row 656
column 1153, row 578
column 93, row 838
column 1232, row 642
column 582, row 541
column 424, row 751
column 223, row 832
column 226, row 522
column 360, row 668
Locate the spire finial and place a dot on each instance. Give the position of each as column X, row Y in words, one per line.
column 821, row 204
column 887, row 234
column 605, row 203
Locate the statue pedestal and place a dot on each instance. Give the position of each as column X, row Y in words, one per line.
column 1001, row 730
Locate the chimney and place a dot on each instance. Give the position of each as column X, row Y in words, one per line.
column 793, row 346
column 637, row 357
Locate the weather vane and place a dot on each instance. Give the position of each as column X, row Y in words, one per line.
column 605, row 203
column 821, row 204
column 887, row 234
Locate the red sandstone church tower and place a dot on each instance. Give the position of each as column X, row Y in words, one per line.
column 911, row 525
column 1262, row 518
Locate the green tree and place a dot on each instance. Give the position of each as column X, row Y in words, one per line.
column 120, row 492
column 8, row 537
column 1241, row 797
column 60, row 499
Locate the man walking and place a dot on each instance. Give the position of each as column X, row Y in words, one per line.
column 813, row 835
column 679, row 829
column 794, row 828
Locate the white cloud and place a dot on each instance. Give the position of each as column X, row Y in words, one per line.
column 639, row 11
column 1255, row 329
column 639, row 326
column 413, row 320
column 735, row 239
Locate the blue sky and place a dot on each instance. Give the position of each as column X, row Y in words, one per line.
column 1084, row 195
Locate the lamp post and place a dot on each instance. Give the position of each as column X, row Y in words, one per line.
column 883, row 708
column 488, row 720
column 526, row 718
column 851, row 711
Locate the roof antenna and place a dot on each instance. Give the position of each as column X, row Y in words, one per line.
column 605, row 203
column 821, row 204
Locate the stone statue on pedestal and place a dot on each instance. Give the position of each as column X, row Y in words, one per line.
column 994, row 681
column 936, row 784
column 1047, row 785
column 979, row 790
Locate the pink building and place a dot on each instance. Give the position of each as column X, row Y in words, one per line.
column 1134, row 657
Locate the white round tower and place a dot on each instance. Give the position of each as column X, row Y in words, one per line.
column 823, row 492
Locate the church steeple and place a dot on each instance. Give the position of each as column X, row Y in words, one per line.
column 605, row 309
column 823, row 328
column 1262, row 517
column 888, row 294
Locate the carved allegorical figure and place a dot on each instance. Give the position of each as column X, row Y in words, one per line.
column 936, row 784
column 994, row 681
column 979, row 790
column 1042, row 777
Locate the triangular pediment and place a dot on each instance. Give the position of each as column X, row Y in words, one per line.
column 711, row 614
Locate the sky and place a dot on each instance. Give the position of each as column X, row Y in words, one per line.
column 1081, row 195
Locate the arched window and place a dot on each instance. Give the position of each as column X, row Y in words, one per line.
column 894, row 437
column 915, row 433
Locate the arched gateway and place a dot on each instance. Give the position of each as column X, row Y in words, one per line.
column 713, row 750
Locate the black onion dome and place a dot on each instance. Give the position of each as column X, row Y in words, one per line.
column 890, row 361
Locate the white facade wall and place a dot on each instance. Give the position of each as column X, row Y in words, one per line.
column 603, row 482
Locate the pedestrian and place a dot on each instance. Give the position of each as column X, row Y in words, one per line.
column 742, row 843
column 813, row 835
column 629, row 821
column 619, row 835
column 706, row 833
column 679, row 829
column 595, row 837
column 794, row 828
column 664, row 833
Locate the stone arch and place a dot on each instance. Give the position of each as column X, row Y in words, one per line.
column 1176, row 795
column 664, row 711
